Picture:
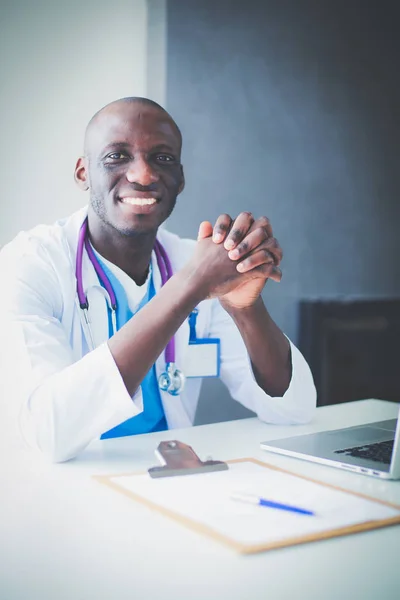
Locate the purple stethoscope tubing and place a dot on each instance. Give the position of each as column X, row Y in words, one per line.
column 164, row 265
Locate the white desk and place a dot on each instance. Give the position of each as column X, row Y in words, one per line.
column 63, row 536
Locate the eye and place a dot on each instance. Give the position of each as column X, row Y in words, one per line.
column 165, row 158
column 116, row 156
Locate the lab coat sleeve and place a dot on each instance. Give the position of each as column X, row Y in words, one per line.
column 64, row 404
column 298, row 403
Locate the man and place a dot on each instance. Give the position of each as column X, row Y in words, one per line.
column 97, row 306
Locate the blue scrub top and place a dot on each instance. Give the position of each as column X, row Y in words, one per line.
column 152, row 418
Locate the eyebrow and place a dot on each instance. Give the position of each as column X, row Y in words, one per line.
column 163, row 147
column 157, row 148
column 115, row 145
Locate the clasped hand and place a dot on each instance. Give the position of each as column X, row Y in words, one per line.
column 237, row 257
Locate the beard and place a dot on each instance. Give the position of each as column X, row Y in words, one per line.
column 98, row 206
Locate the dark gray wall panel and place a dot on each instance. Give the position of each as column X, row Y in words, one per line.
column 292, row 109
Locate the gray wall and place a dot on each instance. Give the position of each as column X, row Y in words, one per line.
column 292, row 109
column 60, row 63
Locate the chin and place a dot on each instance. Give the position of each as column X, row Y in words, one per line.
column 137, row 228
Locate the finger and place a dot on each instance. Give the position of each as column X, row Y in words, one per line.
column 265, row 223
column 250, row 243
column 273, row 247
column 221, row 228
column 249, row 246
column 205, row 230
column 269, row 271
column 272, row 272
column 256, row 259
column 239, row 230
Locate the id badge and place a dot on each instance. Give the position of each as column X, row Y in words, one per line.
column 203, row 355
column 203, row 358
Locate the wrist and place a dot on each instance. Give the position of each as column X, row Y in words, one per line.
column 255, row 309
column 189, row 286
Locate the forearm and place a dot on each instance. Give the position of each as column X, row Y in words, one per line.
column 70, row 403
column 138, row 344
column 268, row 348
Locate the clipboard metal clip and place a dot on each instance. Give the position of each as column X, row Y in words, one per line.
column 178, row 459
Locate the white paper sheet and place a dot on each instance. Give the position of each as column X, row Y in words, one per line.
column 206, row 498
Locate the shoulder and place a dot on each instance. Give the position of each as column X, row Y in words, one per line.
column 51, row 240
column 39, row 259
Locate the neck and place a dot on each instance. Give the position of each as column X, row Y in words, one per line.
column 131, row 253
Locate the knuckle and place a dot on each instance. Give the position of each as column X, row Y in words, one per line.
column 223, row 223
column 264, row 221
column 268, row 254
column 272, row 243
column 235, row 234
column 243, row 247
column 262, row 232
column 222, row 227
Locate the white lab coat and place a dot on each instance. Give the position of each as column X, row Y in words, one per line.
column 69, row 396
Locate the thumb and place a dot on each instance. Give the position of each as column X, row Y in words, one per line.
column 205, row 230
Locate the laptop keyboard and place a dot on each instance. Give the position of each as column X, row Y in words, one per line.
column 379, row 452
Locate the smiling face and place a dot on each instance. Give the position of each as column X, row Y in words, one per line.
column 132, row 167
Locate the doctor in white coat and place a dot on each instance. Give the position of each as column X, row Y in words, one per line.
column 194, row 309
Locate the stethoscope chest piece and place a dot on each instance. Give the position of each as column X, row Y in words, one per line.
column 172, row 380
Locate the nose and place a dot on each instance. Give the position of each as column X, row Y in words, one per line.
column 141, row 172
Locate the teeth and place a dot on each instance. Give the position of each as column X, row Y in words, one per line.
column 139, row 201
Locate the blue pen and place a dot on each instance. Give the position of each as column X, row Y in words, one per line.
column 270, row 503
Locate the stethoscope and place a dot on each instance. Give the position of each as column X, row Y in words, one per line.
column 172, row 380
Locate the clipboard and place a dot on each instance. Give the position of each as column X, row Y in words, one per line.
column 289, row 531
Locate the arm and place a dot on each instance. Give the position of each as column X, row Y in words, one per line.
column 65, row 402
column 256, row 253
column 268, row 348
column 296, row 405
column 137, row 345
column 59, row 402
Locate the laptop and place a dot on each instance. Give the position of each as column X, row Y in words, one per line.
column 370, row 449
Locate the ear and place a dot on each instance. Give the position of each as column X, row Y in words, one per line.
column 81, row 174
column 182, row 184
